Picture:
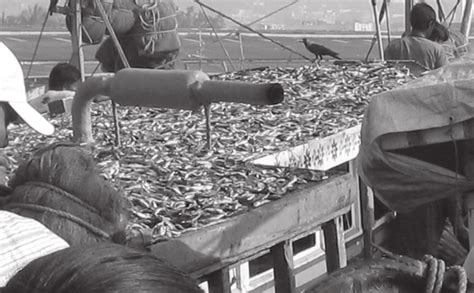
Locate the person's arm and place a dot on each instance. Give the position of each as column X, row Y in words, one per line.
column 441, row 58
column 41, row 103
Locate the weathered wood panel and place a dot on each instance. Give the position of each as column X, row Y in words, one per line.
column 219, row 281
column 216, row 246
column 282, row 255
column 336, row 257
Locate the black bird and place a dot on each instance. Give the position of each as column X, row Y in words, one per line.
column 319, row 51
column 52, row 6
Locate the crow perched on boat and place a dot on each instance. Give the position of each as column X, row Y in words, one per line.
column 319, row 51
column 52, row 6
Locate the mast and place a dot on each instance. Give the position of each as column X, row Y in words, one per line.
column 77, row 57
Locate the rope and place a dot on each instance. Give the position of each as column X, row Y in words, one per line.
column 37, row 208
column 462, row 278
column 37, row 45
column 436, row 270
column 435, row 275
column 63, row 193
column 150, row 19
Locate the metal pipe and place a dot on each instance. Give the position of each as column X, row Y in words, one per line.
column 408, row 7
column 467, row 19
column 77, row 57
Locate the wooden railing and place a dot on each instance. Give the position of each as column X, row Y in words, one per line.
column 208, row 253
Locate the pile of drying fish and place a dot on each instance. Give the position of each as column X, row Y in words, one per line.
column 176, row 184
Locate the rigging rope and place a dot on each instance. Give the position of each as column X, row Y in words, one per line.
column 37, row 208
column 37, row 45
column 150, row 19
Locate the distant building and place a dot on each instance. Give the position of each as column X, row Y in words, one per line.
column 363, row 27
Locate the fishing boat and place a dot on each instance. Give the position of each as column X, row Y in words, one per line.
column 275, row 211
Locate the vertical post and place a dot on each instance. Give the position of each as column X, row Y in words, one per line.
column 224, row 65
column 408, row 6
column 467, row 19
column 242, row 56
column 377, row 29
column 200, row 48
column 336, row 256
column 207, row 112
column 367, row 210
column 219, row 281
column 387, row 19
column 116, row 42
column 77, row 58
column 283, row 266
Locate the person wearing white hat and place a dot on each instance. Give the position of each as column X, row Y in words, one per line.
column 13, row 98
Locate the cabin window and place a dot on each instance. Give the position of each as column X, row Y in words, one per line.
column 304, row 243
column 347, row 221
column 260, row 264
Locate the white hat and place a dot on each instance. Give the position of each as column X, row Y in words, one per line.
column 12, row 90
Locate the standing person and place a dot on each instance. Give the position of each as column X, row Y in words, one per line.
column 13, row 100
column 416, row 45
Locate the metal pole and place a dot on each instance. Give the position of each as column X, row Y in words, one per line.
column 377, row 29
column 105, row 17
column 252, row 30
column 207, row 112
column 77, row 58
column 200, row 48
column 408, row 6
column 242, row 56
column 467, row 19
column 387, row 19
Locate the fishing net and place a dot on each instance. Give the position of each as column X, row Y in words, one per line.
column 146, row 29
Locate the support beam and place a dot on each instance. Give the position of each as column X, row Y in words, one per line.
column 367, row 211
column 283, row 266
column 467, row 19
column 336, row 256
column 219, row 281
column 77, row 58
column 408, row 6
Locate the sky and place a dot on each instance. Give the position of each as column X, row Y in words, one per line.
column 315, row 8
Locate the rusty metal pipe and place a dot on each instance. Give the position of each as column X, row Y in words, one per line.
column 176, row 89
column 81, row 106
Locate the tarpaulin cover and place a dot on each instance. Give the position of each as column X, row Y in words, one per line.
column 442, row 98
